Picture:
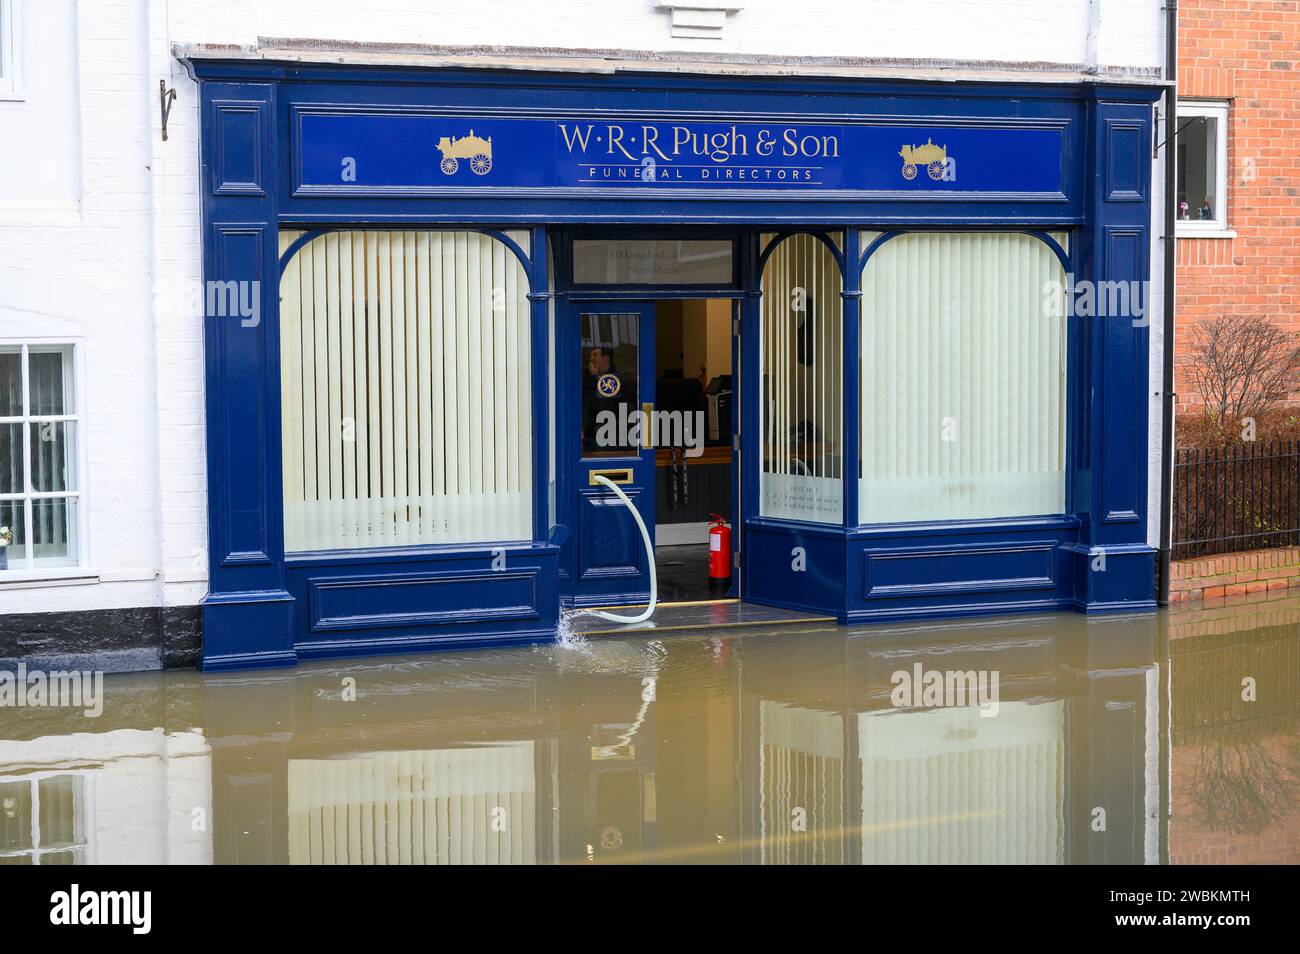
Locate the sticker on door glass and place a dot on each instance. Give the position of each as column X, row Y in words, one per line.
column 609, row 385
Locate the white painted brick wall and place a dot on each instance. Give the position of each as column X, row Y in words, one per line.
column 86, row 247
column 1012, row 30
column 99, row 219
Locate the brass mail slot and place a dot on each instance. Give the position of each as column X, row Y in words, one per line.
column 620, row 475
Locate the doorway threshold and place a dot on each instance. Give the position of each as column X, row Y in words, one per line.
column 699, row 614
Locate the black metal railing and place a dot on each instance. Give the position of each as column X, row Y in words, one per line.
column 1229, row 499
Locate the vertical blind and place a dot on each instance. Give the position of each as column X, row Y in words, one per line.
column 405, row 389
column 963, row 378
column 801, row 356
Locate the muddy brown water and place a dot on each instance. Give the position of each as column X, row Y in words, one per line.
column 1161, row 738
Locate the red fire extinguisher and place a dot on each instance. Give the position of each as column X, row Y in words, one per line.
column 719, row 555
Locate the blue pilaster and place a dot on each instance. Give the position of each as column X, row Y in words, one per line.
column 1113, row 565
column 247, row 614
column 852, row 296
column 539, row 299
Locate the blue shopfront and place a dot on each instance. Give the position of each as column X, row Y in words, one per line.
column 839, row 312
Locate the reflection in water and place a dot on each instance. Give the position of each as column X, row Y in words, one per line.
column 950, row 787
column 123, row 796
column 801, row 752
column 42, row 820
column 1236, row 738
column 1116, row 740
column 443, row 806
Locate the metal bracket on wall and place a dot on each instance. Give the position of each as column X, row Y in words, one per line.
column 1156, row 152
column 165, row 99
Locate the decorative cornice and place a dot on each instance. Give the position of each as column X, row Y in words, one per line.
column 291, row 51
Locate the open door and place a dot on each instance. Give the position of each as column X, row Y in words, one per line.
column 610, row 356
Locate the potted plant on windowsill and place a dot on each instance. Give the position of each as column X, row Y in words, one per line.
column 6, row 538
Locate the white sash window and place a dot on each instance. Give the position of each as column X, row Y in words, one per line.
column 41, row 480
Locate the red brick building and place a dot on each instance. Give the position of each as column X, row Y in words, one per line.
column 1239, row 167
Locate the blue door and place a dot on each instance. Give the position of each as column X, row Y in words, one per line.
column 608, row 355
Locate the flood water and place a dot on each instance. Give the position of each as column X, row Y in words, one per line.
column 1164, row 738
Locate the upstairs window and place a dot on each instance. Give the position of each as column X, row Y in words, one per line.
column 1202, row 167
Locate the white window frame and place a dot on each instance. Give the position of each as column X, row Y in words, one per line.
column 1218, row 226
column 11, row 50
column 22, row 566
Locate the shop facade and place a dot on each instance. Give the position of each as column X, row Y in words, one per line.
column 438, row 268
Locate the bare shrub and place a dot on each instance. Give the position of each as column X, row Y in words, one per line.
column 1242, row 365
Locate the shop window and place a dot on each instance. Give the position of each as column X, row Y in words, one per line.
column 40, row 481
column 1202, row 167
column 801, row 360
column 963, row 366
column 10, row 50
column 405, row 391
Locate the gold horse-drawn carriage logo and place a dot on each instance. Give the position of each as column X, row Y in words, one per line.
column 934, row 158
column 474, row 148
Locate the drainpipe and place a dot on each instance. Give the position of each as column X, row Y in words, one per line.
column 1168, row 397
column 1091, row 59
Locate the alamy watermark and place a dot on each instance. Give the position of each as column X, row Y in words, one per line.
column 63, row 689
column 212, row 299
column 626, row 428
column 1084, row 298
column 945, row 688
column 132, row 909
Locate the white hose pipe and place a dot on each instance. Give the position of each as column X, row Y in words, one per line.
column 649, row 555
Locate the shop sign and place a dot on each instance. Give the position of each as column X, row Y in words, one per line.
column 412, row 153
